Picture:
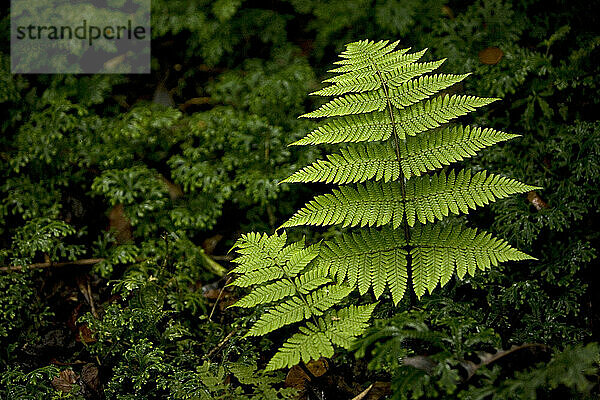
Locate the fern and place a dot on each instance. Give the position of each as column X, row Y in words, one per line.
column 295, row 288
column 398, row 132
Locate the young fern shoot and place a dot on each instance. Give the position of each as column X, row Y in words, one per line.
column 395, row 127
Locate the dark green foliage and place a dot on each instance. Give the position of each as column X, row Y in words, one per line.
column 74, row 149
column 438, row 352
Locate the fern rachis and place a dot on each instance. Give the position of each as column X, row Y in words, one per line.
column 397, row 133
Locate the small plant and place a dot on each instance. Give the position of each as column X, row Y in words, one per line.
column 383, row 96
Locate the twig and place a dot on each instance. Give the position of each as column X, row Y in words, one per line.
column 219, row 297
column 221, row 343
column 222, row 258
column 91, row 298
column 87, row 261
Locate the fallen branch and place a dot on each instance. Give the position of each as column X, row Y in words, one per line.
column 87, row 261
column 221, row 344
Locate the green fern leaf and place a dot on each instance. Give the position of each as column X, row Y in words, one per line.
column 267, row 294
column 410, row 121
column 430, row 198
column 312, row 342
column 372, row 204
column 352, row 128
column 443, row 147
column 403, row 96
column 258, row 277
column 353, row 164
column 342, row 326
column 368, row 258
column 373, row 81
column 431, row 114
column 308, row 344
column 419, row 154
column 292, row 310
column 383, row 95
column 304, row 284
column 426, row 199
column 258, row 251
column 439, row 251
column 326, row 297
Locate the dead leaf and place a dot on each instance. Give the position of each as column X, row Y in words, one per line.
column 374, row 392
column 114, row 62
column 65, row 380
column 447, row 11
column 85, row 335
column 423, row 363
column 536, row 200
column 89, row 376
column 491, row 55
column 297, row 378
column 162, row 96
column 196, row 101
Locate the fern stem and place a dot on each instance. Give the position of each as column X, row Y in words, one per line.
column 402, row 179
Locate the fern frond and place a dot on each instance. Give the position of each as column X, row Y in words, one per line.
column 419, row 89
column 443, row 147
column 292, row 310
column 300, row 259
column 308, row 344
column 258, row 276
column 426, row 199
column 431, row 114
column 383, row 95
column 359, row 103
column 267, row 294
column 352, row 128
column 368, row 258
column 337, row 327
column 402, row 96
column 297, row 309
column 364, row 82
column 372, row 204
column 410, row 121
column 353, row 164
column 326, row 297
column 430, row 198
column 342, row 326
column 303, row 284
column 257, row 251
column 439, row 251
column 312, row 279
column 367, row 64
column 419, row 154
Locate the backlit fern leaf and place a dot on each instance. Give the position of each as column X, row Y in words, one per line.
column 294, row 289
column 372, row 82
column 368, row 258
column 308, row 344
column 402, row 96
column 384, row 95
column 410, row 121
column 425, row 199
column 314, row 341
column 353, row 164
column 419, row 154
column 439, row 252
column 445, row 146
